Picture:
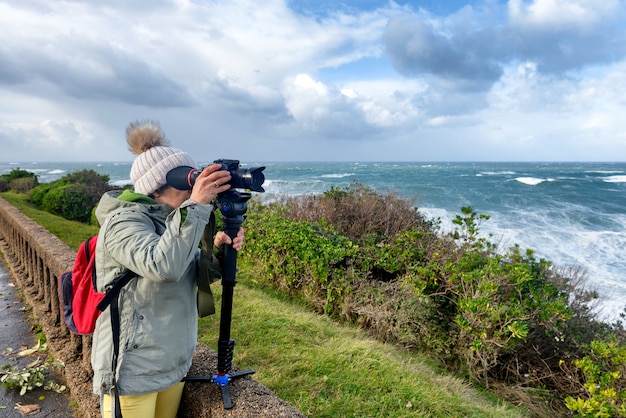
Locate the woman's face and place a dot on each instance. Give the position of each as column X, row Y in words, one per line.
column 172, row 196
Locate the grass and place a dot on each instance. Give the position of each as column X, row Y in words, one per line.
column 329, row 370
column 321, row 368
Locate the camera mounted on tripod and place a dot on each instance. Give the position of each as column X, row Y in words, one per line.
column 184, row 177
column 232, row 205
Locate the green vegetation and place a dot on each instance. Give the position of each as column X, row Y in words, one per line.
column 417, row 307
column 73, row 196
column 329, row 370
column 31, row 376
column 502, row 318
column 603, row 369
column 322, row 368
column 70, row 232
column 19, row 180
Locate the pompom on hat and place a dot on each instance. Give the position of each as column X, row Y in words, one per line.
column 155, row 158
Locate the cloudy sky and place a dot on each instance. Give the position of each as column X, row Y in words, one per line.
column 316, row 80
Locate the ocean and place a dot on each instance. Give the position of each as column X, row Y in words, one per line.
column 572, row 214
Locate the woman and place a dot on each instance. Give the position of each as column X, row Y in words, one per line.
column 155, row 232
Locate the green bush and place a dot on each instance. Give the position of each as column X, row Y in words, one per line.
column 74, row 196
column 70, row 201
column 604, row 370
column 18, row 173
column 18, row 179
column 23, row 185
column 38, row 193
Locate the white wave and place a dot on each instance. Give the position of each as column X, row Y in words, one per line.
column 121, row 182
column 56, row 171
column 496, row 173
column 615, row 179
column 600, row 252
column 336, row 175
column 531, row 181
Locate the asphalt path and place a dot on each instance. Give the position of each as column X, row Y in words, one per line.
column 16, row 335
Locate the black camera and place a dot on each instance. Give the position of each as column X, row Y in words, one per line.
column 183, row 178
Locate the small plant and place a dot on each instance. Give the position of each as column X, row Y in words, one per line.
column 25, row 379
column 29, row 378
column 468, row 228
column 605, row 387
column 33, row 375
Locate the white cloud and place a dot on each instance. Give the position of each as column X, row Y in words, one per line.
column 562, row 13
column 264, row 81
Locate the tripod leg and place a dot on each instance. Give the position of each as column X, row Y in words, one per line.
column 241, row 373
column 228, row 404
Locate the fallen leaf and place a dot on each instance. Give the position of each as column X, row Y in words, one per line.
column 27, row 409
column 30, row 351
column 35, row 363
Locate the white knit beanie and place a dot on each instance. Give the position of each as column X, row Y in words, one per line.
column 154, row 157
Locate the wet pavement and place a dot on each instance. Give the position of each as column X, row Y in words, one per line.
column 18, row 333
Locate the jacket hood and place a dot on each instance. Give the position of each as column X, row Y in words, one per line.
column 115, row 200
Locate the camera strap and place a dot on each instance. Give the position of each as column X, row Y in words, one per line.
column 208, row 270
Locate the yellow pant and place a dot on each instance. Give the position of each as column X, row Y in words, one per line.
column 162, row 404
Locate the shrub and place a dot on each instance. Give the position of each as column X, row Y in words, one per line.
column 304, row 258
column 23, row 185
column 18, row 179
column 497, row 316
column 70, row 201
column 18, row 173
column 38, row 193
column 604, row 370
column 74, row 196
column 358, row 212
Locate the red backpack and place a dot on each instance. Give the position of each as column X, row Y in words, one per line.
column 82, row 303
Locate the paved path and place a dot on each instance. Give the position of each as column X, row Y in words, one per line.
column 15, row 335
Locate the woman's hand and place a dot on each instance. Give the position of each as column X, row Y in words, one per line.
column 221, row 238
column 209, row 183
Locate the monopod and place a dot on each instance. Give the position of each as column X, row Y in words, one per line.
column 232, row 204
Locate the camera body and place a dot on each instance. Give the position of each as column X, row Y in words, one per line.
column 183, row 178
column 243, row 178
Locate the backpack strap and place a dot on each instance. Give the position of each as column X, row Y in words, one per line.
column 113, row 289
column 111, row 298
column 115, row 328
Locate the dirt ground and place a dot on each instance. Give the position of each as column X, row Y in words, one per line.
column 16, row 335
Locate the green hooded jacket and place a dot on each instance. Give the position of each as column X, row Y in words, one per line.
column 158, row 310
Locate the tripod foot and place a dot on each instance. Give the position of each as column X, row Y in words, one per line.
column 228, row 404
column 222, row 381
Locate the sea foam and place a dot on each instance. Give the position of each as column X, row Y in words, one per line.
column 615, row 179
column 531, row 181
